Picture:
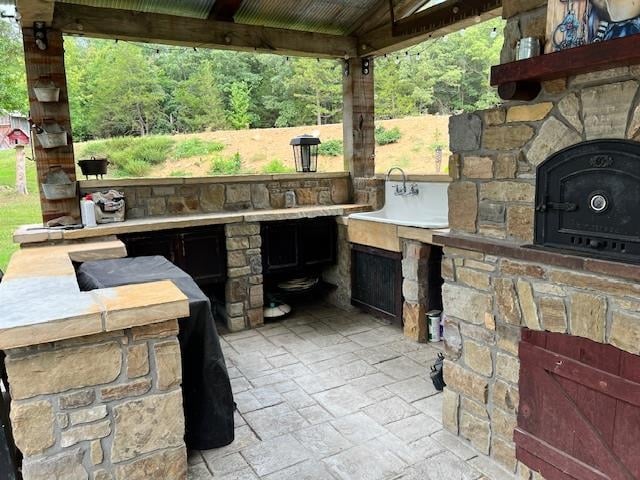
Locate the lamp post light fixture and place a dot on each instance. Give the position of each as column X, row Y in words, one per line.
column 305, row 152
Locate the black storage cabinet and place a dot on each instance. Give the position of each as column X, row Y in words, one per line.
column 298, row 247
column 200, row 251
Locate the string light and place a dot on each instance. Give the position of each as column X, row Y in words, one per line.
column 494, row 32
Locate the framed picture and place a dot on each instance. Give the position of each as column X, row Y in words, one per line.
column 572, row 23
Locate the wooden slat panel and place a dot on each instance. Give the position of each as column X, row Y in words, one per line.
column 567, row 465
column 591, row 416
column 597, row 380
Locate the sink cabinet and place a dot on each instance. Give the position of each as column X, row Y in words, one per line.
column 201, row 252
column 295, row 247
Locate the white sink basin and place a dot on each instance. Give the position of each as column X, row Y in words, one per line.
column 428, row 209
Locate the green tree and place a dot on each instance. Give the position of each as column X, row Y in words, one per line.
column 13, row 84
column 199, row 102
column 317, row 85
column 124, row 90
column 239, row 104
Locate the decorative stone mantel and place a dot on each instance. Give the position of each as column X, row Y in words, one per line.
column 94, row 376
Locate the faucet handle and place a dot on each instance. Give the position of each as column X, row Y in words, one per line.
column 414, row 189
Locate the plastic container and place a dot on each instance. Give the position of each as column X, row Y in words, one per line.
column 88, row 212
column 433, row 322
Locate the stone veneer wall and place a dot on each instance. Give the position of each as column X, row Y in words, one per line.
column 102, row 407
column 244, row 293
column 210, row 195
column 489, row 298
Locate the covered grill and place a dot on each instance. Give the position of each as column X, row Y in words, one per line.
column 588, row 199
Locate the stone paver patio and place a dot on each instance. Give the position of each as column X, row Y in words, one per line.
column 334, row 395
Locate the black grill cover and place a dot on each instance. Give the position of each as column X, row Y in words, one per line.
column 206, row 390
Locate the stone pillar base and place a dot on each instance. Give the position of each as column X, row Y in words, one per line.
column 104, row 407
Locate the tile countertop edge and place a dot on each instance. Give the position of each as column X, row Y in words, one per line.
column 24, row 236
column 83, row 317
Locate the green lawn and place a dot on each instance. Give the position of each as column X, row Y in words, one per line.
column 15, row 209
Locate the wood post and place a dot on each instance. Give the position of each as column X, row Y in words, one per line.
column 358, row 118
column 48, row 65
column 21, row 171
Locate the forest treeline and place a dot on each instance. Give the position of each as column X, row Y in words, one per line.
column 122, row 88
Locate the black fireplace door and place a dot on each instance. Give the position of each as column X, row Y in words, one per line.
column 588, row 199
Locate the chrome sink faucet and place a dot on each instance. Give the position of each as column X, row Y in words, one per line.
column 402, row 191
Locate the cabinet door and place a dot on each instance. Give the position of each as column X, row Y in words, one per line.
column 317, row 241
column 203, row 255
column 280, row 246
column 151, row 244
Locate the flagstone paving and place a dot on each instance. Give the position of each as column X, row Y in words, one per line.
column 334, row 395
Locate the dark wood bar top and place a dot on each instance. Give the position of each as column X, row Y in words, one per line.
column 541, row 255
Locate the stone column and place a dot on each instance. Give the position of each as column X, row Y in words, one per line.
column 244, row 293
column 104, row 407
column 415, row 263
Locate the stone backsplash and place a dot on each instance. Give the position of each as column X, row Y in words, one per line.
column 104, row 407
column 487, row 300
column 184, row 196
column 497, row 151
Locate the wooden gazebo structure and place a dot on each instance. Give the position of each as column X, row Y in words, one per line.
column 352, row 30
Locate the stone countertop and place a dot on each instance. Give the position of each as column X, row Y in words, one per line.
column 36, row 234
column 41, row 302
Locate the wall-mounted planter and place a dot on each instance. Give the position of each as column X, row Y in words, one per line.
column 46, row 91
column 51, row 135
column 58, row 185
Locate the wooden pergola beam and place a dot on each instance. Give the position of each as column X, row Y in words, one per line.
column 189, row 32
column 35, row 11
column 443, row 19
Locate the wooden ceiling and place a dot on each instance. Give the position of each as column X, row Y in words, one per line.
column 317, row 28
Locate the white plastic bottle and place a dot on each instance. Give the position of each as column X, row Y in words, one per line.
column 88, row 212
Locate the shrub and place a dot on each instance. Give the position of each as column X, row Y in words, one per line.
column 331, row 148
column 226, row 166
column 194, row 147
column 277, row 166
column 385, row 137
column 128, row 153
column 133, row 168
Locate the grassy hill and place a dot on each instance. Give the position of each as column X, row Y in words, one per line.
column 223, row 152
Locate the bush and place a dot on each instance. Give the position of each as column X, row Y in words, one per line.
column 330, row 148
column 385, row 137
column 129, row 153
column 194, row 147
column 226, row 166
column 133, row 168
column 277, row 166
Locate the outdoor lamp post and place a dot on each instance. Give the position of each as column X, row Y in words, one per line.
column 305, row 151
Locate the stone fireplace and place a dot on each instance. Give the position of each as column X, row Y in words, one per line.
column 496, row 289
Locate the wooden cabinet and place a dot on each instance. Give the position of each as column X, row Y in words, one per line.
column 295, row 247
column 201, row 252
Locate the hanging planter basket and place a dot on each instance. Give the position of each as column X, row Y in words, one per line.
column 58, row 185
column 51, row 135
column 46, row 92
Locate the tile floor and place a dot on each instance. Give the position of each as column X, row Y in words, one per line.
column 331, row 395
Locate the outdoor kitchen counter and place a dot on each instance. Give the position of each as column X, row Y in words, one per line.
column 41, row 302
column 33, row 234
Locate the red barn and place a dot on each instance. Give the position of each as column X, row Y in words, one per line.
column 14, row 130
